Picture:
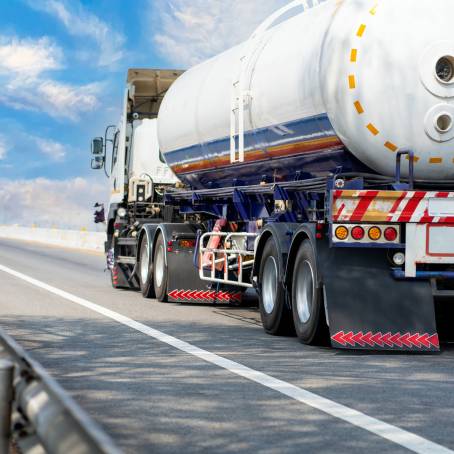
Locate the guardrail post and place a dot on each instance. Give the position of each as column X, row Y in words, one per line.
column 6, row 398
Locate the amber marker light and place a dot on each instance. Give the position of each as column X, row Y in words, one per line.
column 341, row 233
column 374, row 233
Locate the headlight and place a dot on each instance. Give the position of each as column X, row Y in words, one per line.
column 121, row 212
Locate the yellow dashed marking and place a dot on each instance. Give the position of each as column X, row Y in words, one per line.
column 359, row 108
column 391, row 146
column 373, row 11
column 352, row 81
column 361, row 30
column 435, row 160
column 373, row 129
column 354, row 55
column 415, row 158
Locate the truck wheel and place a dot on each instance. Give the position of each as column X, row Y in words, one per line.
column 307, row 301
column 160, row 274
column 276, row 317
column 145, row 270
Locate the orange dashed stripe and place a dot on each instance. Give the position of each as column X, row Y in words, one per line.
column 391, row 146
column 361, row 30
column 359, row 107
column 373, row 129
column 415, row 158
column 354, row 55
column 435, row 160
column 352, row 81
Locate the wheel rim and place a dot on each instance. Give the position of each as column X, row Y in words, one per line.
column 304, row 291
column 159, row 266
column 144, row 262
column 269, row 287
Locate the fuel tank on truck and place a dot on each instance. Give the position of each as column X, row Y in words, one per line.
column 341, row 84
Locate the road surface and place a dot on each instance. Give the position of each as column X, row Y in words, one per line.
column 229, row 388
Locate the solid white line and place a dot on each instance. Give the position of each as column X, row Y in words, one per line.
column 384, row 430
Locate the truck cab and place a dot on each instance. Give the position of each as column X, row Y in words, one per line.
column 129, row 151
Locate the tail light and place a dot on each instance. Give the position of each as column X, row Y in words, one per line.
column 374, row 233
column 391, row 234
column 357, row 233
column 186, row 244
column 341, row 233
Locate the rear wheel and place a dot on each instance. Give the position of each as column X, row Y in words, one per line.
column 276, row 316
column 145, row 270
column 160, row 274
column 307, row 298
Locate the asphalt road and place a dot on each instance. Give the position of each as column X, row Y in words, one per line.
column 151, row 397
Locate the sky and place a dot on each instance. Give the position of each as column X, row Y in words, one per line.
column 63, row 67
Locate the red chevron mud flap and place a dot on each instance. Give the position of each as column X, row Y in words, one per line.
column 389, row 340
column 205, row 297
column 185, row 285
column 368, row 310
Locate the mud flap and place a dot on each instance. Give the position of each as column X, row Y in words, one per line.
column 367, row 309
column 185, row 285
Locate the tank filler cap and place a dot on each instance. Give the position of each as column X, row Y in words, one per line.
column 437, row 69
column 439, row 123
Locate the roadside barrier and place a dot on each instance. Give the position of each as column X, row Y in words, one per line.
column 77, row 239
column 37, row 414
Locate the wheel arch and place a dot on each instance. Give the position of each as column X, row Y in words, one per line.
column 168, row 231
column 282, row 234
column 148, row 231
column 304, row 232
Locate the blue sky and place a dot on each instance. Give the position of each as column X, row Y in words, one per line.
column 63, row 65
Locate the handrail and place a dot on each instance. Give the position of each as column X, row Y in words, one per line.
column 49, row 416
column 227, row 255
column 240, row 96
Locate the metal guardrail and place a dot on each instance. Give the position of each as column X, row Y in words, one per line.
column 37, row 414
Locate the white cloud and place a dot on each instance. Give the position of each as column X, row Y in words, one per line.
column 27, row 57
column 55, row 150
column 24, row 65
column 80, row 22
column 3, row 148
column 190, row 32
column 46, row 203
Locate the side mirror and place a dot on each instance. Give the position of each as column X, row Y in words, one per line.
column 97, row 162
column 97, row 151
column 97, row 147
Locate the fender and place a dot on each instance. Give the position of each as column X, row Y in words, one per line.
column 282, row 234
column 304, row 232
column 148, row 231
column 171, row 232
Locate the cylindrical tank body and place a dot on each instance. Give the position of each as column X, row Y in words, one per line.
column 342, row 85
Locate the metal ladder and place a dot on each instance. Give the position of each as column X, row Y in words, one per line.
column 241, row 97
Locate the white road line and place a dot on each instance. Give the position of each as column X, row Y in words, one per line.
column 384, row 430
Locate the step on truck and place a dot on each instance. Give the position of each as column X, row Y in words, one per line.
column 312, row 165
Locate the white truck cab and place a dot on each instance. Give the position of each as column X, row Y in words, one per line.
column 129, row 152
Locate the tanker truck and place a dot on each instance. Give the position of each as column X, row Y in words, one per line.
column 312, row 164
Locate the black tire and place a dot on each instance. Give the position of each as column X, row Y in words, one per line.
column 160, row 271
column 307, row 298
column 275, row 314
column 145, row 272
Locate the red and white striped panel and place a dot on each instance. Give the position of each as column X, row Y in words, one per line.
column 389, row 206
